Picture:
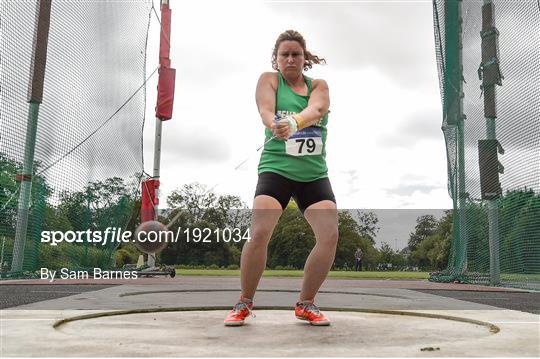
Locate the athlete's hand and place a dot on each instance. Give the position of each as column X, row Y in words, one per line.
column 284, row 127
column 280, row 129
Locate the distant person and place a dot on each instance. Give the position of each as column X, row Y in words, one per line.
column 358, row 256
column 294, row 110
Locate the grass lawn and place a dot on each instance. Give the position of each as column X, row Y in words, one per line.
column 299, row 273
column 520, row 277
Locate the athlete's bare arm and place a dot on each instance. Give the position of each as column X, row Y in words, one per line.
column 265, row 96
column 318, row 103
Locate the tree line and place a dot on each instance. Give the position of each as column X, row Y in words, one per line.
column 293, row 239
column 115, row 202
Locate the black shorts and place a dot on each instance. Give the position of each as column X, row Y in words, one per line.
column 303, row 193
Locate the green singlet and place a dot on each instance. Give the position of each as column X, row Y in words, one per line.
column 303, row 156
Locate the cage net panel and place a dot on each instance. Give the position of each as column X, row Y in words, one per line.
column 517, row 130
column 88, row 151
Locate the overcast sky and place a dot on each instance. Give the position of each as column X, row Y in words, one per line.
column 385, row 148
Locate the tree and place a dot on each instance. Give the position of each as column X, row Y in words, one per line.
column 432, row 252
column 425, row 227
column 519, row 248
column 98, row 205
column 292, row 240
column 193, row 198
column 9, row 196
column 351, row 237
column 386, row 253
column 420, row 255
column 400, row 259
column 443, row 241
column 201, row 209
column 9, row 203
column 520, row 232
column 8, row 193
column 367, row 225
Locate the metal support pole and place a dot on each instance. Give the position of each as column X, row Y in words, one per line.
column 462, row 193
column 455, row 117
column 157, row 163
column 35, row 96
column 493, row 218
column 26, row 189
column 161, row 115
column 157, row 155
column 491, row 77
column 2, row 257
column 462, row 187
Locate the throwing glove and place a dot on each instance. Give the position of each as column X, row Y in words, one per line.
column 294, row 121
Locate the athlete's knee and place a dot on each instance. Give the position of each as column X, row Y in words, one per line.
column 333, row 237
column 260, row 236
column 329, row 237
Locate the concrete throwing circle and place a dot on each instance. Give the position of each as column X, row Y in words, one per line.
column 273, row 332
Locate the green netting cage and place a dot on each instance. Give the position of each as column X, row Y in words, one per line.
column 72, row 109
column 489, row 70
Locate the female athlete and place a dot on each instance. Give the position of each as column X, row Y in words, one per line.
column 294, row 109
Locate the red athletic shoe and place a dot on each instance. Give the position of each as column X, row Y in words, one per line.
column 309, row 311
column 237, row 315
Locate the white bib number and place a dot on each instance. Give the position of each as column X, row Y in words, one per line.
column 304, row 146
